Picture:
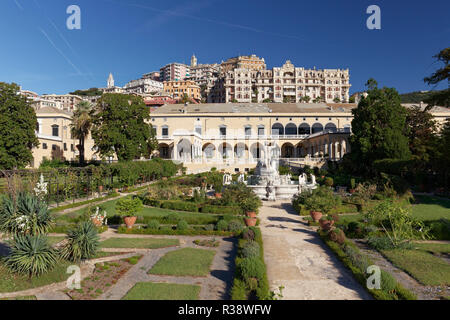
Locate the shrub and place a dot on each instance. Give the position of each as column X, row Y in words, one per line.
column 239, row 290
column 220, row 209
column 128, row 207
column 24, row 214
column 248, row 234
column 222, row 225
column 180, row 205
column 250, row 249
column 82, row 242
column 182, row 225
column 31, row 255
column 251, row 268
column 153, row 224
column 322, row 199
column 328, row 182
column 235, row 226
column 337, row 235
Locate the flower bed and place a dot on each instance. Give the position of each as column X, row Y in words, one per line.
column 357, row 262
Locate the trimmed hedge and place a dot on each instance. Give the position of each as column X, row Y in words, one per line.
column 251, row 267
column 81, row 203
column 390, row 288
column 179, row 205
column 170, row 231
column 208, row 208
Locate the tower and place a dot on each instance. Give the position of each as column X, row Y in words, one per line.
column 110, row 81
column 193, row 61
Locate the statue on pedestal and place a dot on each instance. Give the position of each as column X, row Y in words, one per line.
column 227, row 179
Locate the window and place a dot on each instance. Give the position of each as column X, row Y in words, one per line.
column 44, row 146
column 37, row 127
column 260, row 131
column 71, row 147
column 248, row 131
column 165, row 131
column 55, row 130
column 65, row 146
column 54, row 147
column 223, row 131
column 198, row 129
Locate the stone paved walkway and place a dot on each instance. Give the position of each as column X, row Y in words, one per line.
column 297, row 259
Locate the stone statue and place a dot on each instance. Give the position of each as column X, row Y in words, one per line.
column 313, row 179
column 270, row 191
column 241, row 178
column 227, row 179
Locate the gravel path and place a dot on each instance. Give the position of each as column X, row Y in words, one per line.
column 297, row 259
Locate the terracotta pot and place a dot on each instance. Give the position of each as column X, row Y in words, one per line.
column 326, row 224
column 100, row 188
column 315, row 215
column 218, row 195
column 96, row 222
column 250, row 222
column 129, row 221
column 251, row 214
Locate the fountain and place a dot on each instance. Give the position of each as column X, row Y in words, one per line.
column 268, row 184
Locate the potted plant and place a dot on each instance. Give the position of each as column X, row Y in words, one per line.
column 127, row 208
column 250, row 205
column 321, row 201
column 98, row 218
column 326, row 223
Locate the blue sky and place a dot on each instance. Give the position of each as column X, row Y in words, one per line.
column 132, row 37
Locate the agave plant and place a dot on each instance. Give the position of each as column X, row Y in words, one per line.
column 82, row 242
column 25, row 214
column 31, row 255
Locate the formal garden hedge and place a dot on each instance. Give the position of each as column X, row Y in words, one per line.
column 357, row 262
column 250, row 279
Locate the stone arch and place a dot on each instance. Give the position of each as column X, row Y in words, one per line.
column 240, row 150
column 317, row 127
column 304, row 128
column 184, row 150
column 209, row 151
column 225, row 150
column 287, row 150
column 291, row 129
column 277, row 129
column 331, row 126
column 164, row 151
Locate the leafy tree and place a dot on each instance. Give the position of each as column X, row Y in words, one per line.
column 306, row 99
column 378, row 127
column 422, row 134
column 440, row 98
column 81, row 125
column 336, row 100
column 442, row 159
column 92, row 92
column 120, row 127
column 185, row 99
column 17, row 128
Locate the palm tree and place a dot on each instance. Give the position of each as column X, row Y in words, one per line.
column 81, row 125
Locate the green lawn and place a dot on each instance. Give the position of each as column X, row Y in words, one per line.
column 436, row 248
column 162, row 291
column 184, row 262
column 149, row 243
column 10, row 282
column 421, row 265
column 109, row 206
column 431, row 208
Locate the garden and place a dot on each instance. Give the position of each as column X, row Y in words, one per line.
column 41, row 243
column 372, row 224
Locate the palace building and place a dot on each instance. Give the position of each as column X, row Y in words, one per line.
column 231, row 136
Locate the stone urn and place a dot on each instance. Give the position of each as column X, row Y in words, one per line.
column 251, row 214
column 326, row 224
column 250, row 222
column 315, row 215
column 129, row 221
